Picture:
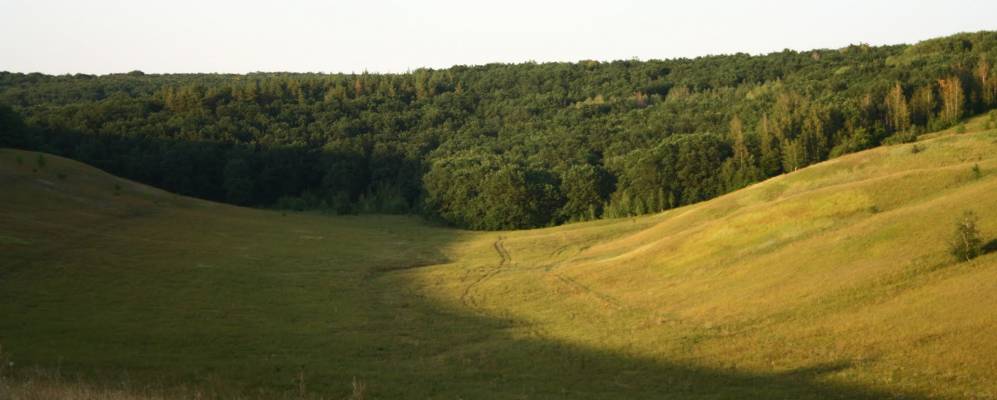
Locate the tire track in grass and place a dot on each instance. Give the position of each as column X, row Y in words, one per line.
column 504, row 259
column 602, row 297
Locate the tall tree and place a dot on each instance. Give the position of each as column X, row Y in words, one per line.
column 238, row 181
column 585, row 188
column 897, row 111
column 740, row 169
column 953, row 99
column 11, row 128
column 814, row 139
column 923, row 105
column 770, row 160
column 987, row 84
column 793, row 155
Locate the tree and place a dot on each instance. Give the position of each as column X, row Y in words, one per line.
column 358, row 87
column 513, row 197
column 988, row 86
column 698, row 157
column 11, row 128
column 953, row 99
column 858, row 139
column 966, row 243
column 620, row 205
column 923, row 105
column 792, row 155
column 178, row 169
column 897, row 111
column 238, row 181
column 483, row 191
column 585, row 189
column 739, row 170
column 770, row 161
column 813, row 139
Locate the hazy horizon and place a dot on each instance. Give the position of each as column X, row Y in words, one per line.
column 387, row 36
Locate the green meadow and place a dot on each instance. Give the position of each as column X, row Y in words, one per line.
column 834, row 281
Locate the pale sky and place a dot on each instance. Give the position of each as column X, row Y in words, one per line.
column 107, row 36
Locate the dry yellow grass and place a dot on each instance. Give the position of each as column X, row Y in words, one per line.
column 842, row 264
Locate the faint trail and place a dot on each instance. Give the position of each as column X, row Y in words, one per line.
column 607, row 299
column 504, row 259
column 503, row 253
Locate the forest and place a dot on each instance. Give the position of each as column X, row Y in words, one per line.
column 501, row 146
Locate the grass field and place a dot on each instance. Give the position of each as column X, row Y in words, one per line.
column 831, row 282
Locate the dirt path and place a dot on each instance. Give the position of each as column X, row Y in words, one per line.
column 504, row 260
column 602, row 297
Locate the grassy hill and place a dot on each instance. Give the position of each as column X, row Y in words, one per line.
column 830, row 282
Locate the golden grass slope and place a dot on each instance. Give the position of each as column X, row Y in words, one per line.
column 842, row 264
column 831, row 282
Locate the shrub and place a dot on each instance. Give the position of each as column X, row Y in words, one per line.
column 290, row 203
column 976, row 171
column 961, row 128
column 966, row 243
column 900, row 137
column 41, row 161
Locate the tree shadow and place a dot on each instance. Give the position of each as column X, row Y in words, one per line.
column 989, row 247
column 478, row 357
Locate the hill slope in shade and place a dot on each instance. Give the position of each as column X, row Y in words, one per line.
column 831, row 282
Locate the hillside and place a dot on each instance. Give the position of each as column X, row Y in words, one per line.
column 833, row 281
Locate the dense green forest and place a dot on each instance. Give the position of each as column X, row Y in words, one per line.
column 501, row 146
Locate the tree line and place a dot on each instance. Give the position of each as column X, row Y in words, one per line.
column 502, row 146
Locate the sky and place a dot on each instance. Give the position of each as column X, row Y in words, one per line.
column 108, row 36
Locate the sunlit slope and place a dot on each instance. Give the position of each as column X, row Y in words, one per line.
column 830, row 282
column 842, row 267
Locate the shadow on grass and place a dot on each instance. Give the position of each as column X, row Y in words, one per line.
column 989, row 247
column 287, row 318
column 471, row 356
